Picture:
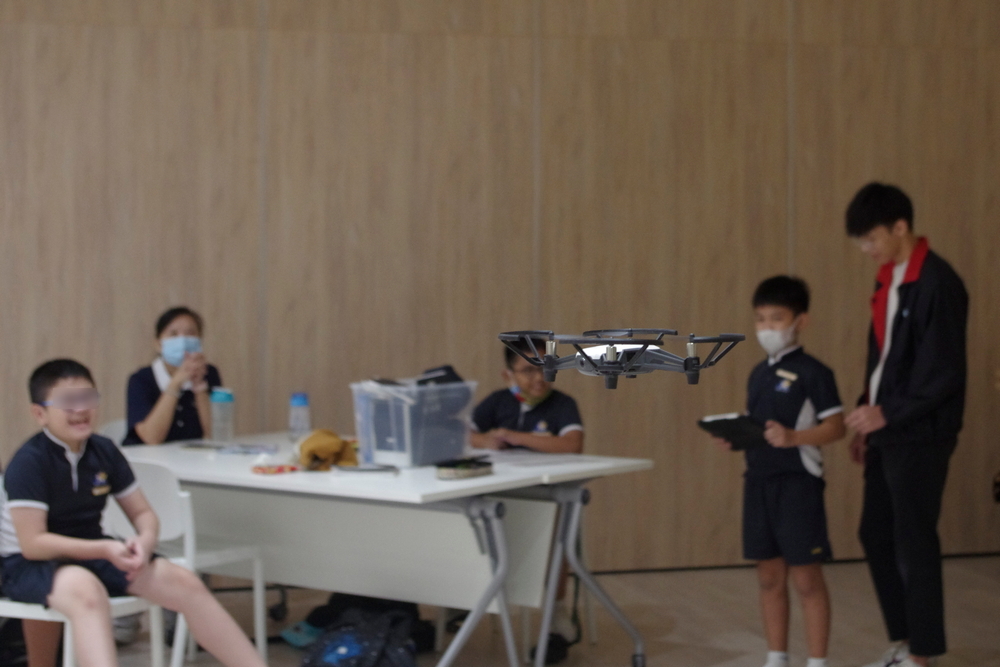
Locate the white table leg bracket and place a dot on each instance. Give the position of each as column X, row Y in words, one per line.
column 486, row 516
column 571, row 498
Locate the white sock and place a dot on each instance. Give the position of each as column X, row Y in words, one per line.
column 816, row 662
column 777, row 659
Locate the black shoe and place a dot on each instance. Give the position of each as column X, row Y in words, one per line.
column 556, row 651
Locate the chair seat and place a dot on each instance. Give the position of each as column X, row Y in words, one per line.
column 120, row 606
column 211, row 551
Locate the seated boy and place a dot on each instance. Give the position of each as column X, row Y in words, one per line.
column 50, row 534
column 794, row 397
column 531, row 414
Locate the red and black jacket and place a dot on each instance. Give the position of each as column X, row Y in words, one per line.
column 922, row 390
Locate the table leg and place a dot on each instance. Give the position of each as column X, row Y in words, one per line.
column 490, row 512
column 552, row 585
column 571, row 498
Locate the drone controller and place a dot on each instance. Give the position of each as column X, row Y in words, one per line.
column 610, row 353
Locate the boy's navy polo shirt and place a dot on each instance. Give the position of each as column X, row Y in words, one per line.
column 556, row 415
column 798, row 391
column 142, row 394
column 73, row 488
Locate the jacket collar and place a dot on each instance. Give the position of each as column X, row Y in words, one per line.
column 883, row 283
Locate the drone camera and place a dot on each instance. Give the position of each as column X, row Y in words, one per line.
column 610, row 381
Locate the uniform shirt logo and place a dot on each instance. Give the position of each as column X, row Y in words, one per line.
column 787, row 378
column 100, row 486
column 542, row 427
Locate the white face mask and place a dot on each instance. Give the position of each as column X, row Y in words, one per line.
column 775, row 340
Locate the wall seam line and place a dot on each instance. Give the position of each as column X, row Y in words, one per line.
column 263, row 389
column 790, row 140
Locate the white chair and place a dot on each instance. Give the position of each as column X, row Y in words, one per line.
column 116, row 429
column 180, row 542
column 120, row 606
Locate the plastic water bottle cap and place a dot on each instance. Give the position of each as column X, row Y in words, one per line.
column 222, row 395
column 300, row 399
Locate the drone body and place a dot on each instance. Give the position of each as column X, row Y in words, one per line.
column 610, row 353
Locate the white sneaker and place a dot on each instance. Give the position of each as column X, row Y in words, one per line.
column 894, row 657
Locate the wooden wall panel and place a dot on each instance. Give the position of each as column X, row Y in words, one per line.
column 915, row 105
column 349, row 189
column 400, row 197
column 127, row 174
column 661, row 157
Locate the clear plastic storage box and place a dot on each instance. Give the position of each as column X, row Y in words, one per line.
column 409, row 425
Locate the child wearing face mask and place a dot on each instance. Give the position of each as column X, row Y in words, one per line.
column 169, row 399
column 794, row 396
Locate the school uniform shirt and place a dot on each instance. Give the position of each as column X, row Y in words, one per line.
column 144, row 389
column 798, row 391
column 72, row 487
column 557, row 415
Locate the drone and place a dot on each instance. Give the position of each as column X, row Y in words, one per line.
column 611, row 353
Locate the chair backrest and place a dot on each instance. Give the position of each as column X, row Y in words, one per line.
column 116, row 430
column 171, row 504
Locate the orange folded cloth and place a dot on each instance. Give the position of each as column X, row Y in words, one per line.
column 322, row 449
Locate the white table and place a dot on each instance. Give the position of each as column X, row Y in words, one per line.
column 403, row 535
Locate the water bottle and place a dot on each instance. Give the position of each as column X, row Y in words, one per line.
column 298, row 416
column 222, row 414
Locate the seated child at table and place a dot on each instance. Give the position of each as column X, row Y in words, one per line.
column 530, row 414
column 53, row 550
column 169, row 399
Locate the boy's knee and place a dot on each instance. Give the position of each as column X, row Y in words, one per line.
column 79, row 588
column 771, row 577
column 182, row 581
column 808, row 580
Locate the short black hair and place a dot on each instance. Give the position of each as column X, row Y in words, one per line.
column 521, row 344
column 878, row 204
column 786, row 291
column 172, row 314
column 48, row 374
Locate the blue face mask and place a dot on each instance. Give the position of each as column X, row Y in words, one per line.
column 173, row 349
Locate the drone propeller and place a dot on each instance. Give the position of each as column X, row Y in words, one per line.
column 611, row 353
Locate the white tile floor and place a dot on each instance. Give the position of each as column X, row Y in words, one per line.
column 709, row 619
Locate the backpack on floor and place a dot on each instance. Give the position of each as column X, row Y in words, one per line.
column 361, row 638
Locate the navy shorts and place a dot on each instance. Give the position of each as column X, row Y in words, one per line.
column 31, row 580
column 783, row 515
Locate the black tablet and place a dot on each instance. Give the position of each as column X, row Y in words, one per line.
column 741, row 431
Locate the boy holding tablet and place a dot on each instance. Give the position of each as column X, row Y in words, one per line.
column 793, row 396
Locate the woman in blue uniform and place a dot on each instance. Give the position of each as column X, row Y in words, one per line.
column 169, row 399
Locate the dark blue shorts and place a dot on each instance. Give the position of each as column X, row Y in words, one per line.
column 31, row 580
column 783, row 515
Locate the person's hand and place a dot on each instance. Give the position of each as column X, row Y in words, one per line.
column 193, row 369
column 129, row 556
column 508, row 437
column 140, row 556
column 723, row 444
column 198, row 367
column 858, row 448
column 493, row 440
column 777, row 435
column 866, row 419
